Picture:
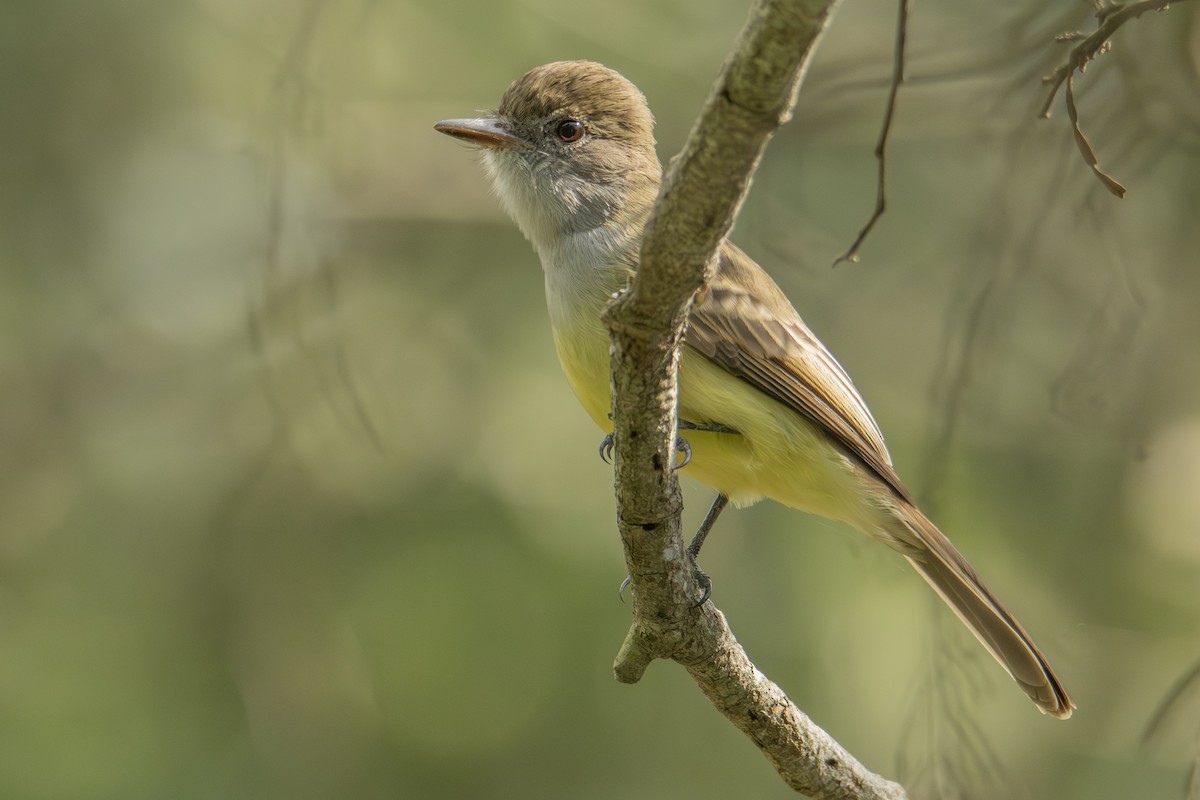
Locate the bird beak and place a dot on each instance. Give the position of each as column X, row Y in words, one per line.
column 486, row 132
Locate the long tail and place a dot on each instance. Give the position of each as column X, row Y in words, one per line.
column 955, row 581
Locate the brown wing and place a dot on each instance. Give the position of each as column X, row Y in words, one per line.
column 756, row 335
column 760, row 338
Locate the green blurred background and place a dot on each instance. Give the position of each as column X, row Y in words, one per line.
column 294, row 502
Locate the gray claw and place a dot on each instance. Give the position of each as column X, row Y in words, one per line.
column 606, row 448
column 681, row 445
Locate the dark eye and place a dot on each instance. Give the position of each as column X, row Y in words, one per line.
column 569, row 130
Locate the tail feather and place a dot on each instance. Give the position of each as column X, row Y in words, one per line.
column 944, row 568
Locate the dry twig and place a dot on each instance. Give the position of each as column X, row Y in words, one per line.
column 885, row 136
column 1089, row 46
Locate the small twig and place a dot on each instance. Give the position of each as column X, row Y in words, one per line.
column 885, row 136
column 1110, row 19
column 1085, row 147
column 1095, row 43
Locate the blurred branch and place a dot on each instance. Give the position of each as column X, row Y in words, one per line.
column 295, row 98
column 947, row 752
column 1168, row 704
column 704, row 187
column 1090, row 46
column 885, row 136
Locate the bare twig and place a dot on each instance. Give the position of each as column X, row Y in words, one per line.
column 1110, row 18
column 885, row 136
column 1085, row 147
column 702, row 192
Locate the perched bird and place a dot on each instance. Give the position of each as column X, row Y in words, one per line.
column 767, row 411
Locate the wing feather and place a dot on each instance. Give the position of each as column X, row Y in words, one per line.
column 760, row 338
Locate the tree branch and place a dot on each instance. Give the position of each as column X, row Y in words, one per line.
column 702, row 191
column 1110, row 19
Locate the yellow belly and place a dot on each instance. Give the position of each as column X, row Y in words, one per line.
column 777, row 452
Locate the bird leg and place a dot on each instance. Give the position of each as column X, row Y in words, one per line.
column 681, row 444
column 693, row 549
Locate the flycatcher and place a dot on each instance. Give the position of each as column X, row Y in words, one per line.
column 771, row 413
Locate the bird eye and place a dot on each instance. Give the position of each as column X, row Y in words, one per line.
column 569, row 130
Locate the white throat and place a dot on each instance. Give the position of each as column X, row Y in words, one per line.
column 586, row 246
